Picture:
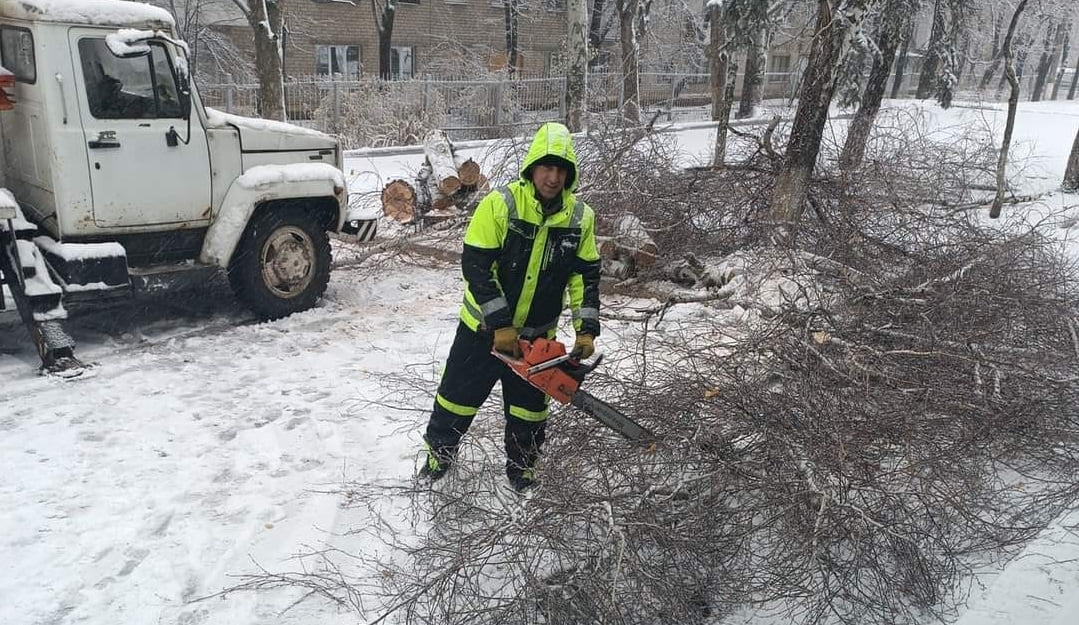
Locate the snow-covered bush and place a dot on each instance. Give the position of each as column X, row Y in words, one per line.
column 373, row 113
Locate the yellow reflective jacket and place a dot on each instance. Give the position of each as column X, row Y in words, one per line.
column 519, row 265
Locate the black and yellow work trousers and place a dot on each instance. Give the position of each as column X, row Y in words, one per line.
column 470, row 375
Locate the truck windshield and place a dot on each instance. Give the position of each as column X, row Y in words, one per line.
column 142, row 87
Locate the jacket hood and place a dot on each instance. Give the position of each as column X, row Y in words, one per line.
column 552, row 139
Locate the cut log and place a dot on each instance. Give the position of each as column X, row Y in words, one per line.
column 399, row 201
column 469, row 173
column 629, row 240
column 439, row 153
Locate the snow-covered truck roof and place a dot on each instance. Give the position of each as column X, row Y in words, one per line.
column 94, row 12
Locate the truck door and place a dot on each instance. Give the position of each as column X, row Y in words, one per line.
column 127, row 106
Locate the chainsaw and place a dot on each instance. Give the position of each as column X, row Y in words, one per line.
column 545, row 365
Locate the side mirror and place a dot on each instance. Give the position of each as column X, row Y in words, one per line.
column 184, row 95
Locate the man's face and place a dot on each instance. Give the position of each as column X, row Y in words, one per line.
column 549, row 180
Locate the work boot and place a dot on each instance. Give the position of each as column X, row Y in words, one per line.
column 434, row 466
column 523, row 480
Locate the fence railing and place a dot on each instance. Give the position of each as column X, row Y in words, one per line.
column 490, row 108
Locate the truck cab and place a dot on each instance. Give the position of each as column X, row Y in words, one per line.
column 125, row 178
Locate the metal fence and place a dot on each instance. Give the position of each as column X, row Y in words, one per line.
column 498, row 107
column 473, row 109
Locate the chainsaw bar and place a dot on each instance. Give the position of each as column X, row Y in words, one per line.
column 609, row 416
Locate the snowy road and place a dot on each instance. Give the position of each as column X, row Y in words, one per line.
column 192, row 452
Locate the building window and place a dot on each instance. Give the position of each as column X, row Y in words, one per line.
column 337, row 62
column 402, row 63
column 17, row 53
column 409, row 1
column 779, row 68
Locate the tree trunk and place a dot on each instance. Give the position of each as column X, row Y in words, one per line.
column 987, row 77
column 1049, row 52
column 929, row 78
column 818, row 86
column 384, row 26
column 439, row 153
column 901, row 62
column 753, row 81
column 1071, row 174
column 1075, row 79
column 860, row 127
column 1013, row 104
column 631, row 80
column 719, row 66
column 596, row 32
column 1065, row 49
column 265, row 18
column 577, row 69
column 512, row 50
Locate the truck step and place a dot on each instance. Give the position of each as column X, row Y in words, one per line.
column 160, row 278
column 11, row 214
column 85, row 267
column 43, row 295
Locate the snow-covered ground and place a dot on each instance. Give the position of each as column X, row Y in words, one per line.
column 205, row 445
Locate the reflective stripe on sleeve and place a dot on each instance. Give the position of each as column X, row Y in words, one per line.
column 494, row 306
column 511, row 203
column 586, row 313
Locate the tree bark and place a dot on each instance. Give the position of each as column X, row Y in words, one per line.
column 753, row 81
column 901, row 62
column 265, row 18
column 818, row 87
column 1064, row 51
column 929, row 78
column 719, row 66
column 512, row 43
column 384, row 26
column 1075, row 79
column 860, row 127
column 577, row 69
column 1071, row 174
column 439, row 153
column 1050, row 50
column 628, row 12
column 1013, row 104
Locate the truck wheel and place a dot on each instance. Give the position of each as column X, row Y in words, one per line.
column 282, row 264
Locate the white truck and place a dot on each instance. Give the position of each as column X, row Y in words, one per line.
column 119, row 179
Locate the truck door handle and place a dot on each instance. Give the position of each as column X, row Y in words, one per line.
column 98, row 144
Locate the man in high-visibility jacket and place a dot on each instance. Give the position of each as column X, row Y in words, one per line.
column 529, row 247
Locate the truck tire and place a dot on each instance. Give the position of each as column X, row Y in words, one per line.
column 282, row 264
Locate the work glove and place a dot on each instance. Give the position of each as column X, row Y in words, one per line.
column 506, row 341
column 583, row 347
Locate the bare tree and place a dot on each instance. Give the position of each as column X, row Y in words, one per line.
column 1071, row 174
column 895, row 21
column 719, row 70
column 1065, row 48
column 632, row 22
column 1054, row 42
column 598, row 29
column 1013, row 104
column 384, row 12
column 512, row 12
column 577, row 69
column 266, row 18
column 901, row 61
column 835, row 24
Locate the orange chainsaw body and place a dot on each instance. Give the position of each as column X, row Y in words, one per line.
column 553, row 380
